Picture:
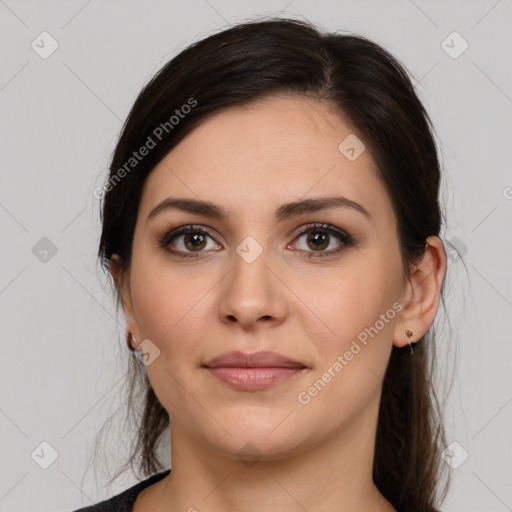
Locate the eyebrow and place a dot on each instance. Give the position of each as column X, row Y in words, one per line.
column 284, row 212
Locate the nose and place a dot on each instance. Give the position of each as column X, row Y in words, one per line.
column 253, row 293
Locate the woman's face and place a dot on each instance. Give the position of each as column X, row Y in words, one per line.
column 261, row 278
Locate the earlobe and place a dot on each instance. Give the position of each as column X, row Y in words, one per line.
column 422, row 294
column 131, row 341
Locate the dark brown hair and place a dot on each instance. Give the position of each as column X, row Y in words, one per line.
column 372, row 91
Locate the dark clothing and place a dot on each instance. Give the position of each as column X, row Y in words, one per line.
column 124, row 501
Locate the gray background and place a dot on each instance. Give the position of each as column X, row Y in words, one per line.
column 63, row 353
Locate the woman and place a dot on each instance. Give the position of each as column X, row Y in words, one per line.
column 271, row 222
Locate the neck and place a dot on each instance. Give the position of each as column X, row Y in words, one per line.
column 334, row 474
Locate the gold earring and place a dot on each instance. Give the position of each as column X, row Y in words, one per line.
column 409, row 333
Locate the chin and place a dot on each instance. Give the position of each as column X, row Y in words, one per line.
column 262, row 435
column 251, row 449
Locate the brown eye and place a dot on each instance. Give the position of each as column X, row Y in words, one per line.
column 318, row 240
column 187, row 240
column 194, row 241
column 318, row 237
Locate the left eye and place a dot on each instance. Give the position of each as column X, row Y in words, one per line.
column 319, row 237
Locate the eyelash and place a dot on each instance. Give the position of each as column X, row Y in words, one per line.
column 346, row 239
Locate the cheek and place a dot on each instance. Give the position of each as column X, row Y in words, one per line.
column 336, row 306
column 351, row 366
column 170, row 312
column 168, row 305
column 357, row 321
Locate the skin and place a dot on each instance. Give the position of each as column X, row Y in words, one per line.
column 250, row 160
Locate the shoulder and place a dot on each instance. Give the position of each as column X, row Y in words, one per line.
column 124, row 501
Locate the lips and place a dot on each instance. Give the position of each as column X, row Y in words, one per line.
column 263, row 359
column 253, row 372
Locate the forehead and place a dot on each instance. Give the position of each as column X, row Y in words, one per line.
column 266, row 153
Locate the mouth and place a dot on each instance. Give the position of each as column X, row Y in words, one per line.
column 253, row 379
column 252, row 372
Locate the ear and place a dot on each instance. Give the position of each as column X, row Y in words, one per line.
column 421, row 297
column 122, row 281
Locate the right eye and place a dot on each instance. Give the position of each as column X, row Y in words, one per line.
column 189, row 239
